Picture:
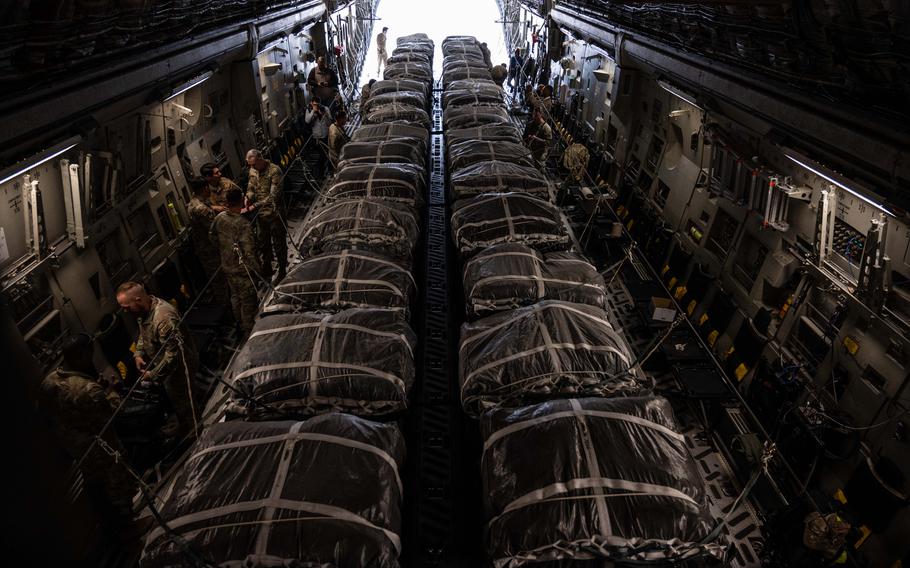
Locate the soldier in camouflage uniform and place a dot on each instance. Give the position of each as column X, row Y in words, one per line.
column 202, row 213
column 218, row 184
column 78, row 407
column 165, row 351
column 239, row 262
column 265, row 199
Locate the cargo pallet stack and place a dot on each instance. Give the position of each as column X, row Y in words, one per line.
column 310, row 469
column 579, row 461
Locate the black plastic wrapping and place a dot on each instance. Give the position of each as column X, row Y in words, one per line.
column 415, row 38
column 412, row 98
column 398, row 112
column 456, row 62
column 394, row 151
column 495, row 218
column 389, row 130
column 473, row 85
column 341, row 280
column 474, row 115
column 357, row 360
column 372, row 224
column 398, row 85
column 400, row 183
column 549, row 350
column 470, row 152
column 496, row 176
column 459, row 43
column 592, row 478
column 416, row 71
column 508, row 276
column 490, row 133
column 330, row 487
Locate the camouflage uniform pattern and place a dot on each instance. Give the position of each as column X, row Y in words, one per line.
column 201, row 216
column 79, row 408
column 233, row 230
column 264, row 191
column 219, row 191
column 169, row 353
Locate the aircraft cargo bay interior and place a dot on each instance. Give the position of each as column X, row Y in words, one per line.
column 382, row 283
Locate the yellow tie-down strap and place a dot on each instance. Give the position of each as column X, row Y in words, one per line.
column 680, row 292
column 702, row 319
column 741, row 371
column 671, row 283
column 712, row 337
column 630, row 224
column 664, row 269
column 690, row 309
column 729, row 352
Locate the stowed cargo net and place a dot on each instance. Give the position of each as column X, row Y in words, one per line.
column 549, row 350
column 390, row 130
column 412, row 98
column 474, row 115
column 395, row 111
column 395, row 151
column 357, row 360
column 383, row 226
column 509, row 276
column 400, row 183
column 592, row 478
column 489, row 133
column 470, row 152
column 494, row 218
column 322, row 492
column 397, row 86
column 346, row 279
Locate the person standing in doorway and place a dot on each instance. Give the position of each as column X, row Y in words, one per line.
column 381, row 52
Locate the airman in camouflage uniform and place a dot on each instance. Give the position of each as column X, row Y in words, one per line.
column 165, row 351
column 79, row 407
column 218, row 184
column 265, row 198
column 202, row 212
column 238, row 260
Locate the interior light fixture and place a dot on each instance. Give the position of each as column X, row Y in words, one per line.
column 680, row 94
column 839, row 184
column 189, row 85
column 49, row 155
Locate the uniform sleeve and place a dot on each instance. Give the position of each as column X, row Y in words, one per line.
column 247, row 247
column 275, row 185
column 311, row 78
column 140, row 345
column 251, row 187
column 170, row 359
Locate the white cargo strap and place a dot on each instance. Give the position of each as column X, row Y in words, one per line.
column 281, row 475
column 308, row 436
column 381, row 283
column 508, row 216
column 332, row 325
column 306, row 364
column 605, row 524
column 548, row 344
column 315, row 355
column 328, row 511
column 637, row 420
column 339, row 276
column 531, row 310
column 540, row 280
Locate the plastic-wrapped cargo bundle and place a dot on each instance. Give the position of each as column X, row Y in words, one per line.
column 342, row 280
column 489, row 132
column 616, row 483
column 415, row 38
column 494, row 218
column 412, row 98
column 549, row 350
column 398, row 85
column 395, row 151
column 399, row 183
column 398, row 112
column 464, row 97
column 470, row 152
column 388, row 130
column 416, row 71
column 357, row 360
column 463, row 73
column 454, row 63
column 371, row 224
column 508, row 276
column 473, row 85
column 494, row 176
column 474, row 115
column 459, row 44
column 261, row 494
column 401, row 55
